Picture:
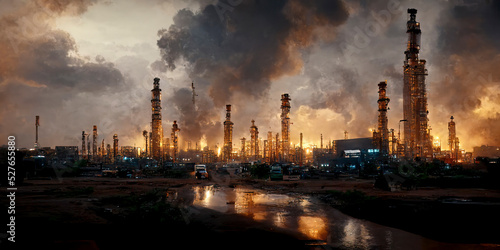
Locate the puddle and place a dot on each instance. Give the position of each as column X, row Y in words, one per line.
column 318, row 223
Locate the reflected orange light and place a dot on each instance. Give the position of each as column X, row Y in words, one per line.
column 313, row 227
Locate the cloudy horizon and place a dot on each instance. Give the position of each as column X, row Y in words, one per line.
column 82, row 63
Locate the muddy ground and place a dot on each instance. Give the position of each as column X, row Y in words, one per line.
column 95, row 213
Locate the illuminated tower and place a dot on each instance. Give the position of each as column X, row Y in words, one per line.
column 254, row 141
column 381, row 137
column 115, row 146
column 452, row 139
column 94, row 143
column 145, row 134
column 37, row 124
column 108, row 151
column 269, row 147
column 175, row 141
column 88, row 146
column 228, row 135
column 277, row 150
column 301, row 156
column 156, row 127
column 103, row 150
column 243, row 148
column 285, row 126
column 416, row 131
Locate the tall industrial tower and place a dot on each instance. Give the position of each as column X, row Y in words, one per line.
column 270, row 151
column 115, row 146
column 156, row 127
column 452, row 139
column 145, row 134
column 94, row 144
column 381, row 137
column 243, row 148
column 228, row 136
column 418, row 142
column 175, row 141
column 301, row 153
column 254, row 141
column 83, row 145
column 37, row 124
column 285, row 126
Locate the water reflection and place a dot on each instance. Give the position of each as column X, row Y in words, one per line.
column 313, row 227
column 356, row 234
column 279, row 210
column 304, row 215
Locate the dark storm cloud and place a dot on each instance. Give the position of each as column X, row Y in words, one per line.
column 242, row 51
column 468, row 61
column 48, row 62
column 257, row 42
column 43, row 74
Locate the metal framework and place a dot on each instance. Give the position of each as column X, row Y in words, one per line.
column 254, row 141
column 285, row 126
column 37, row 124
column 381, row 136
column 156, row 127
column 453, row 142
column 418, row 142
column 94, row 143
column 115, row 146
column 84, row 151
column 175, row 141
column 145, row 134
column 228, row 136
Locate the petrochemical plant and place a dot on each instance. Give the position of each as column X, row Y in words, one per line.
column 385, row 146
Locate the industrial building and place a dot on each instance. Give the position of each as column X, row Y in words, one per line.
column 486, row 151
column 68, row 154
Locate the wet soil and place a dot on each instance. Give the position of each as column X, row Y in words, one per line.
column 70, row 213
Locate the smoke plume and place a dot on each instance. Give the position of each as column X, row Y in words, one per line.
column 236, row 56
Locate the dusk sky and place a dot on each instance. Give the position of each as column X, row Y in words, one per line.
column 82, row 63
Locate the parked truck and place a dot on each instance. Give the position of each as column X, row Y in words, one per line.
column 276, row 173
column 200, row 171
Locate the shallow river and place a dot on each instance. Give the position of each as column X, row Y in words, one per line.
column 315, row 222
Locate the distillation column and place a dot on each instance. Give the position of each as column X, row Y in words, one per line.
column 453, row 139
column 301, row 156
column 382, row 135
column 243, row 148
column 175, row 141
column 416, row 131
column 145, row 134
column 269, row 149
column 228, row 136
column 115, row 146
column 37, row 124
column 84, row 152
column 94, row 143
column 285, row 126
column 156, row 127
column 254, row 141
